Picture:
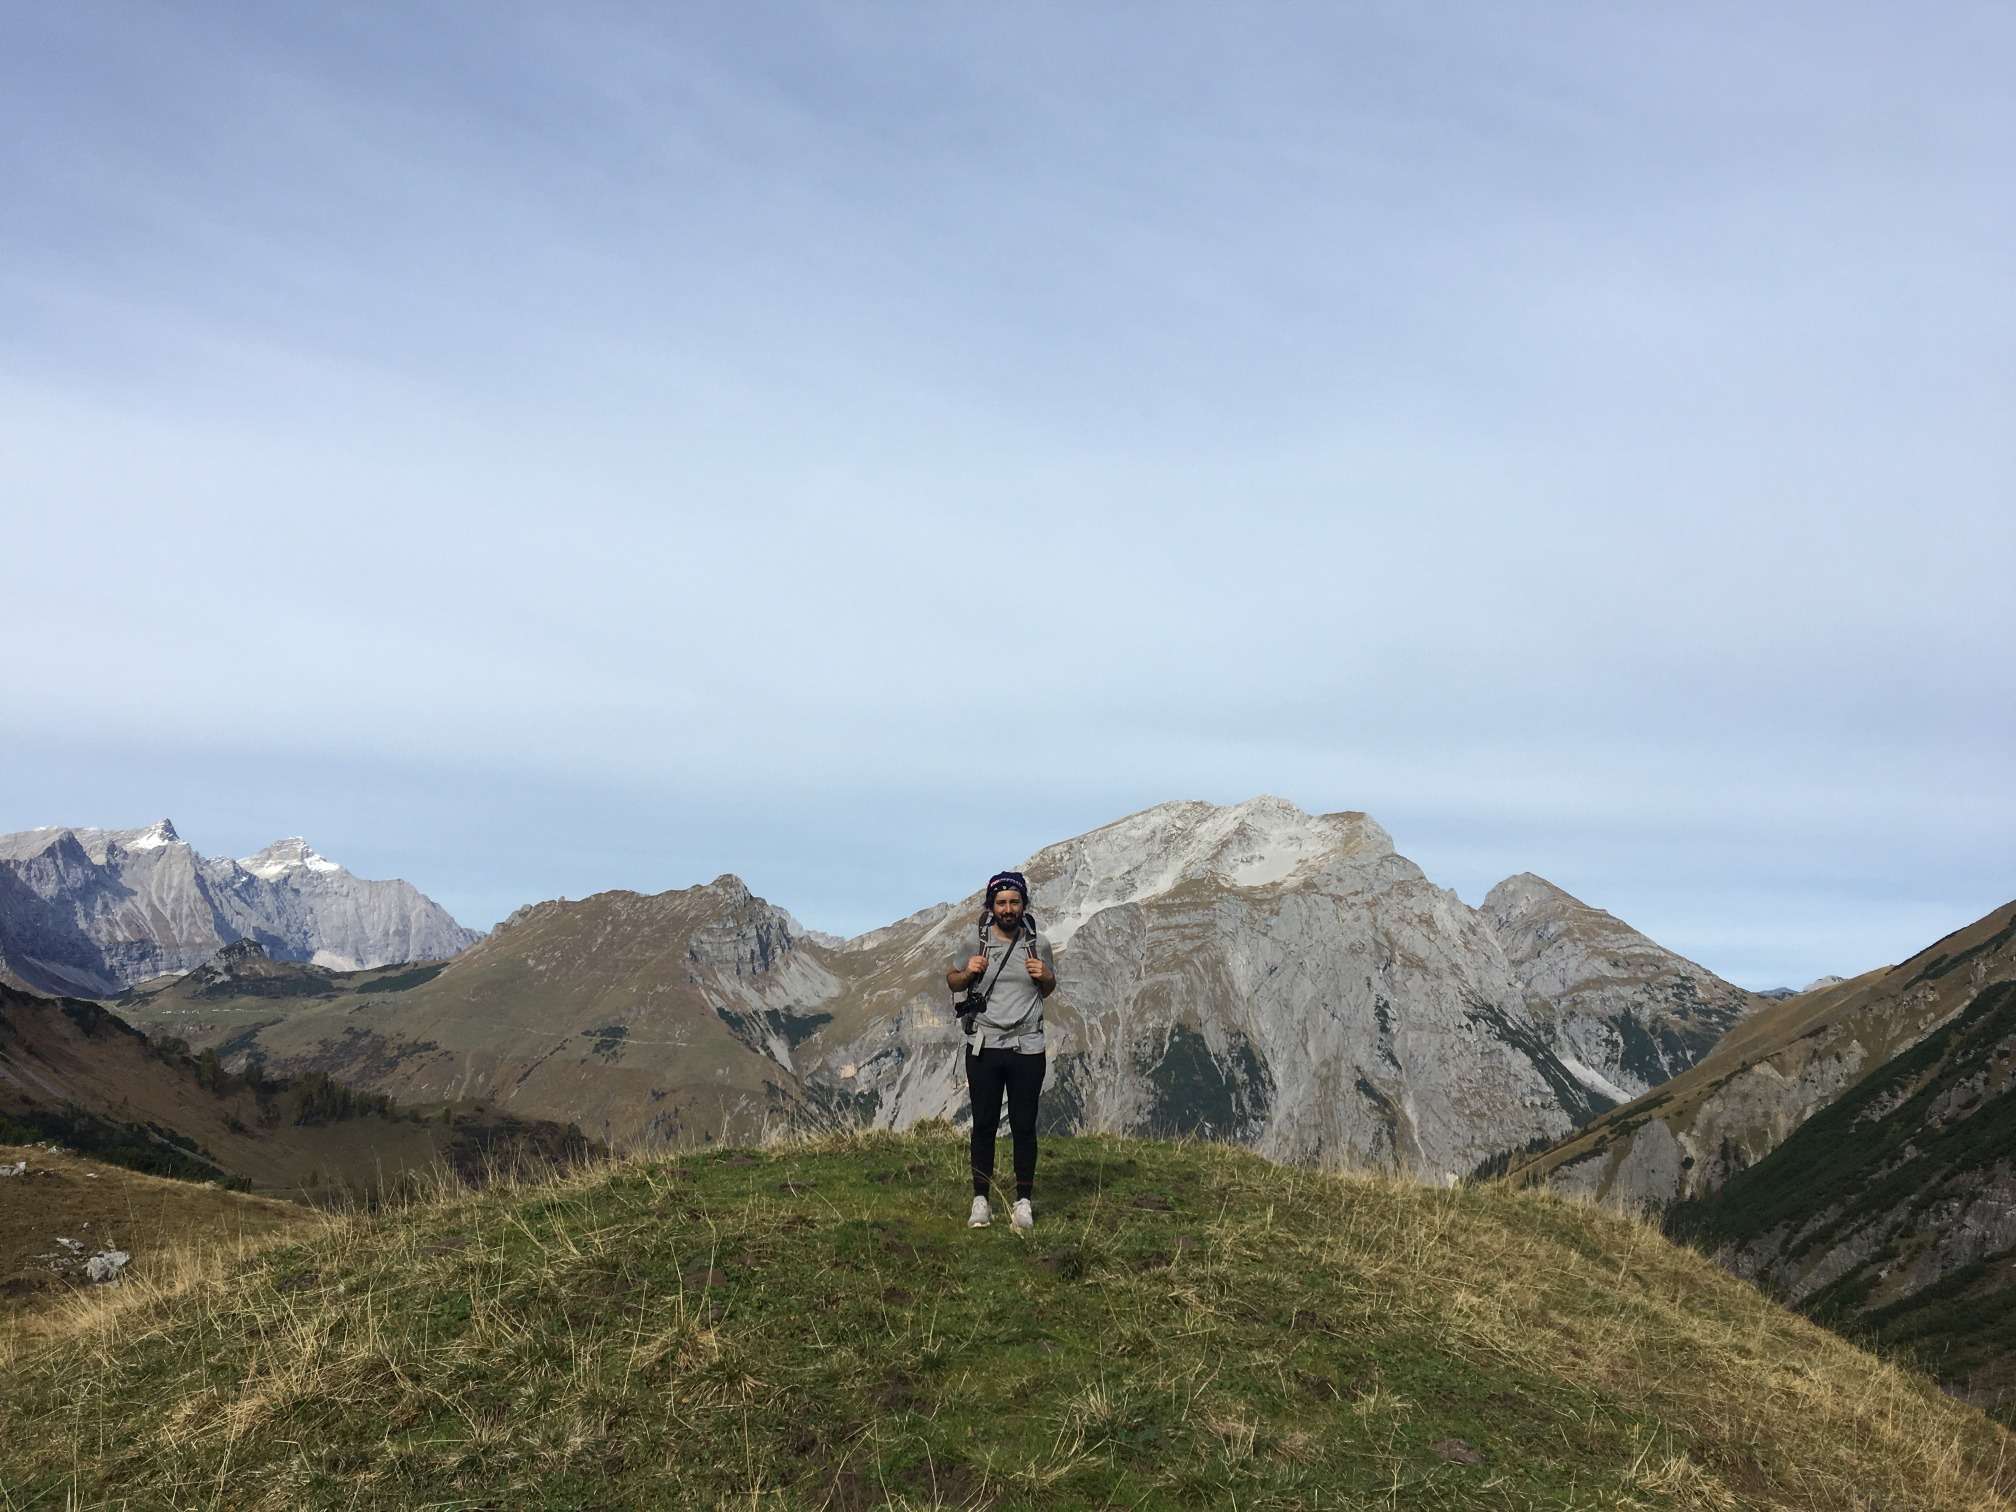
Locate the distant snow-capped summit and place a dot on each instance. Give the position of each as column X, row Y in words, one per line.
column 94, row 843
column 88, row 912
column 291, row 854
column 161, row 832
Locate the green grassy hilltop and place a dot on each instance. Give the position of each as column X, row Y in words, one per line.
column 813, row 1325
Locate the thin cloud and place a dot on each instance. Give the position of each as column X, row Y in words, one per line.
column 728, row 437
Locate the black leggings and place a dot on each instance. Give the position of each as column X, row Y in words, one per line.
column 988, row 1075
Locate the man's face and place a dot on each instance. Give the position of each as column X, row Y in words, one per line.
column 1007, row 906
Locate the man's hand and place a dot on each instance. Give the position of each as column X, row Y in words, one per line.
column 959, row 978
column 1038, row 972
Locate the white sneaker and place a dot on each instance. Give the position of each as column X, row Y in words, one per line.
column 1023, row 1217
column 982, row 1214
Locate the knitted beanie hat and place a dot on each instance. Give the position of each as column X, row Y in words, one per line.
column 1015, row 882
column 1011, row 880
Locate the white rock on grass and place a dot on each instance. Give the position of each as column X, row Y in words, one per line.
column 105, row 1266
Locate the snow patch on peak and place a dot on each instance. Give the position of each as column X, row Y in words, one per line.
column 283, row 856
column 156, row 835
column 97, row 844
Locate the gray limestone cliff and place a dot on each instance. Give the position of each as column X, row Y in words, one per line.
column 1623, row 1013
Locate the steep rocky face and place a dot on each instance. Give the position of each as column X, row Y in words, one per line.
column 351, row 924
column 92, row 911
column 1624, row 1014
column 79, row 912
column 1251, row 973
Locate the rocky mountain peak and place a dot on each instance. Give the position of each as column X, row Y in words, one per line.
column 161, row 832
column 1525, row 890
column 282, row 856
column 94, row 845
column 1622, row 1012
column 1263, row 842
column 818, row 937
column 1527, row 912
column 50, row 840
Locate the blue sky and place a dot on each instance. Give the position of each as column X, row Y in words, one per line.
column 532, row 449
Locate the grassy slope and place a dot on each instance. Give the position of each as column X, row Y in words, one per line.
column 72, row 1072
column 160, row 1223
column 1188, row 1326
column 1877, row 1146
column 1899, row 1154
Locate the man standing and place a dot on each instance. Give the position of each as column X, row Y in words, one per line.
column 1005, row 1051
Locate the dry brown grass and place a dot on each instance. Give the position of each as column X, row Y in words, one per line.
column 1659, row 1327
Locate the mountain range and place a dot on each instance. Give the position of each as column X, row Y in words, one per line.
column 91, row 912
column 1253, row 973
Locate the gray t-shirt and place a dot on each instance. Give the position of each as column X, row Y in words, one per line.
column 1014, row 1016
